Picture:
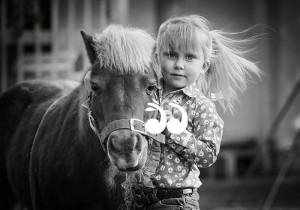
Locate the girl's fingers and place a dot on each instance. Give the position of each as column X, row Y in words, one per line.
column 169, row 114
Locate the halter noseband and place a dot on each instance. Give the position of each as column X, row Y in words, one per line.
column 131, row 124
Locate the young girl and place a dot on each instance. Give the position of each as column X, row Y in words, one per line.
column 199, row 65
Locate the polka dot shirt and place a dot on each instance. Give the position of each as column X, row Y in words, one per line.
column 196, row 147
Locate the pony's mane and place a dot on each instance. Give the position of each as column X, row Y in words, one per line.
column 124, row 49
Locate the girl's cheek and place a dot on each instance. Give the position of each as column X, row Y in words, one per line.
column 165, row 68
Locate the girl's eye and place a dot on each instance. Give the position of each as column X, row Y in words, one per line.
column 190, row 57
column 172, row 55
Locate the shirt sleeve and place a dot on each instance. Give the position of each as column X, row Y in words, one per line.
column 200, row 143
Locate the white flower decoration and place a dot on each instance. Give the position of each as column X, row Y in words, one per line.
column 162, row 185
column 178, row 185
column 201, row 153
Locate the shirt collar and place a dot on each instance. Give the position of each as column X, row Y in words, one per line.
column 192, row 90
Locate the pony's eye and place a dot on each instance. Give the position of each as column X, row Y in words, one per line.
column 151, row 89
column 94, row 87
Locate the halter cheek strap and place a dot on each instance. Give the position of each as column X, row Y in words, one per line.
column 92, row 121
column 131, row 124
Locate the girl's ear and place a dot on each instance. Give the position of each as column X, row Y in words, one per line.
column 205, row 67
column 87, row 81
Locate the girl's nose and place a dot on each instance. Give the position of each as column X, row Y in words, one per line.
column 179, row 65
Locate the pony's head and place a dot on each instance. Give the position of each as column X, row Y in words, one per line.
column 120, row 83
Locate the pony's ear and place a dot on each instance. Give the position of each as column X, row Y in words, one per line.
column 87, row 80
column 89, row 46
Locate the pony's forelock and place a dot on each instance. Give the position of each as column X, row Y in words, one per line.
column 124, row 49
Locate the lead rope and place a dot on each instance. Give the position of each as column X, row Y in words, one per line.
column 128, row 187
column 142, row 178
column 31, row 176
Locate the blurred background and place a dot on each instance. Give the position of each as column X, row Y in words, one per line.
column 259, row 162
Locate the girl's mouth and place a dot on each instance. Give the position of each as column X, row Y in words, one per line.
column 178, row 75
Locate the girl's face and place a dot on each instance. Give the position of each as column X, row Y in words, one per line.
column 179, row 68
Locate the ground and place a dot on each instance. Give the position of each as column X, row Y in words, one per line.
column 250, row 194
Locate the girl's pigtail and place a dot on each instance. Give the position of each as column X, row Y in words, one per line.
column 229, row 68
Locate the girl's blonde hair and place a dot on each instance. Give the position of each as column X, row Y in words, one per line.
column 228, row 68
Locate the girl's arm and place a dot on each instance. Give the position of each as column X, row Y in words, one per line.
column 201, row 146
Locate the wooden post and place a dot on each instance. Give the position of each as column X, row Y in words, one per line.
column 123, row 11
column 20, row 69
column 166, row 9
column 71, row 24
column 119, row 10
column 267, row 110
column 87, row 16
column 54, row 31
column 3, row 47
column 103, row 14
column 37, row 41
column 87, row 26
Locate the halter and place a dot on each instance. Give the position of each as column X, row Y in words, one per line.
column 130, row 124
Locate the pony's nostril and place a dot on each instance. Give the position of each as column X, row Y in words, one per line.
column 138, row 142
column 112, row 143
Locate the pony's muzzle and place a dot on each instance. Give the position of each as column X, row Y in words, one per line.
column 127, row 149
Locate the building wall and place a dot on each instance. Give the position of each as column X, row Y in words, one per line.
column 288, row 66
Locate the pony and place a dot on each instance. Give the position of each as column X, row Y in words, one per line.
column 67, row 145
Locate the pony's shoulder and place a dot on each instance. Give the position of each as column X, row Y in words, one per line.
column 19, row 96
column 16, row 99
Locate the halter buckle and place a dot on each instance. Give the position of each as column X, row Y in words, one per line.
column 138, row 126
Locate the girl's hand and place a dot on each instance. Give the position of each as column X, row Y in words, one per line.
column 169, row 117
